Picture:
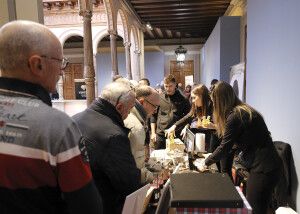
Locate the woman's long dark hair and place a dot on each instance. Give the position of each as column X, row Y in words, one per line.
column 225, row 101
column 202, row 92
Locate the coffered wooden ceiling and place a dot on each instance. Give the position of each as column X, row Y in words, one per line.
column 173, row 19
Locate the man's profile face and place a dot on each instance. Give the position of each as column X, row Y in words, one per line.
column 151, row 103
column 170, row 88
column 52, row 68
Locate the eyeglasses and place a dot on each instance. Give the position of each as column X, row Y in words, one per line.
column 119, row 97
column 153, row 105
column 64, row 61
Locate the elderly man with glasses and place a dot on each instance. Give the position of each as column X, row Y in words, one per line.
column 147, row 101
column 108, row 147
column 42, row 169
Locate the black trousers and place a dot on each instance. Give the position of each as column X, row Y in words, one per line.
column 260, row 187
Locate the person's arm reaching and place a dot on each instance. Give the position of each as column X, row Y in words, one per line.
column 232, row 131
column 153, row 132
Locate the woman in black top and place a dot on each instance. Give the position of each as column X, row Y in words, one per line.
column 239, row 124
column 201, row 107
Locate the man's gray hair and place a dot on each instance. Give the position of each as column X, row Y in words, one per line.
column 117, row 92
column 143, row 91
column 19, row 40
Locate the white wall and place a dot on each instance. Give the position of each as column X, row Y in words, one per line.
column 19, row 9
column 273, row 68
column 4, row 16
column 154, row 67
column 230, row 45
column 104, row 68
column 221, row 50
column 30, row 10
column 210, row 57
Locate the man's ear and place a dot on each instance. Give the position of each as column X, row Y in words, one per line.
column 35, row 64
column 119, row 107
column 141, row 100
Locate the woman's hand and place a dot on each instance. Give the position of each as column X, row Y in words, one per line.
column 205, row 123
column 153, row 137
column 170, row 131
column 183, row 132
column 200, row 164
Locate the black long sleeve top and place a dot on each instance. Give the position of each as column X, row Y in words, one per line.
column 252, row 138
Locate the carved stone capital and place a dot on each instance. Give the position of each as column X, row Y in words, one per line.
column 127, row 44
column 138, row 52
column 86, row 13
column 112, row 32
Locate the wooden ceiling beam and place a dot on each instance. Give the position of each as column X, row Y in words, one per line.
column 183, row 5
column 187, row 18
column 171, row 13
column 191, row 30
column 169, row 34
column 207, row 20
column 182, row 24
column 162, row 18
column 176, row 41
column 158, row 32
column 150, row 34
column 136, row 2
column 183, row 9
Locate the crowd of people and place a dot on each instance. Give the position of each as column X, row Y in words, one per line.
column 51, row 163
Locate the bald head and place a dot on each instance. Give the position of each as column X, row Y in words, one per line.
column 148, row 97
column 21, row 39
column 30, row 52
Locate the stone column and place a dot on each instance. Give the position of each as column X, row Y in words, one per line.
column 142, row 56
column 96, row 74
column 89, row 72
column 128, row 59
column 113, row 48
column 137, row 73
column 60, row 88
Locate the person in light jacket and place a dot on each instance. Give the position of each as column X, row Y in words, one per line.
column 147, row 101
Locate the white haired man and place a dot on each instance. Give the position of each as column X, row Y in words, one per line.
column 147, row 101
column 41, row 168
column 112, row 163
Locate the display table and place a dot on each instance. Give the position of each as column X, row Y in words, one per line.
column 245, row 210
column 171, row 160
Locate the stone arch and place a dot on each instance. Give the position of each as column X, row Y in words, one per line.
column 110, row 10
column 120, row 32
column 124, row 21
column 99, row 36
column 69, row 33
column 134, row 38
